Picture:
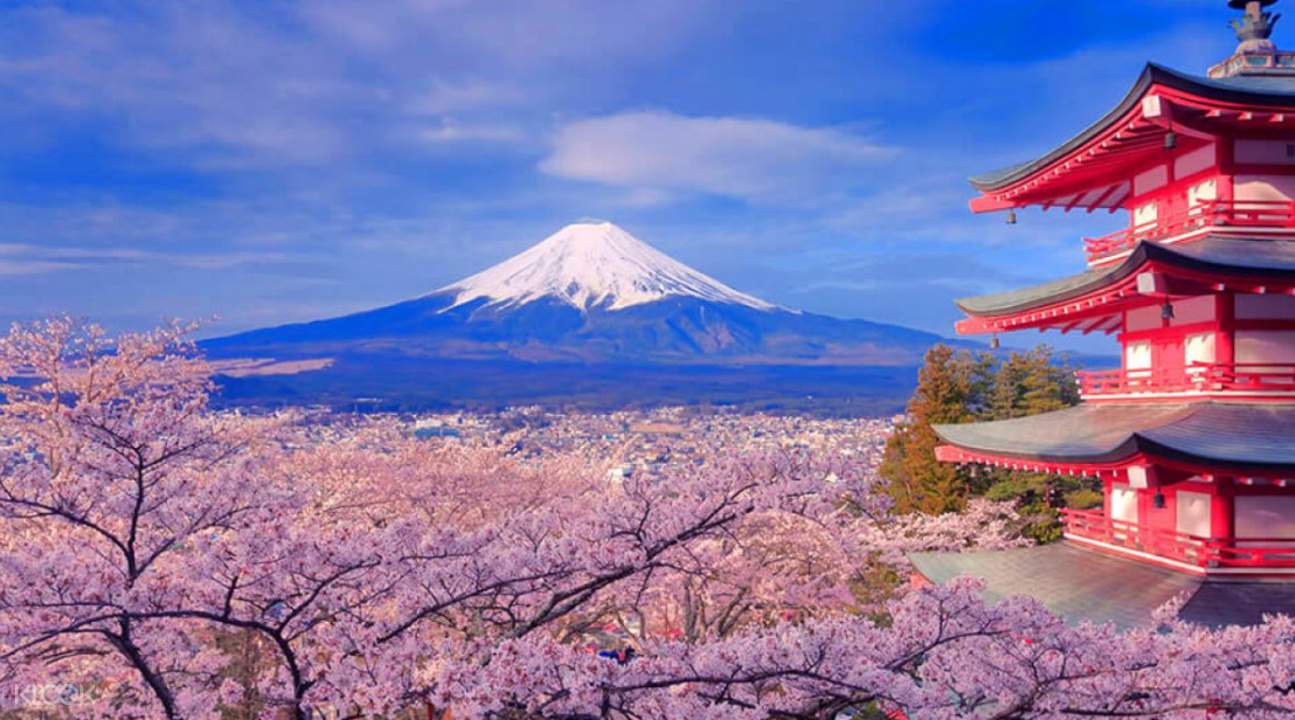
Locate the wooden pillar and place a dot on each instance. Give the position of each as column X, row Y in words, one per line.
column 1225, row 311
column 1144, row 506
column 1226, row 185
column 1222, row 524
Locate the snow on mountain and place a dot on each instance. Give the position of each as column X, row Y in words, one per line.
column 589, row 265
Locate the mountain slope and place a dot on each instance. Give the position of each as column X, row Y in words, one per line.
column 590, row 294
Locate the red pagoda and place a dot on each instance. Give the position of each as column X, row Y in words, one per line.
column 1193, row 437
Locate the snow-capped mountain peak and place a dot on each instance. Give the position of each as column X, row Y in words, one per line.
column 589, row 264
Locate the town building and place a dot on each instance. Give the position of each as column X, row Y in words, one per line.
column 1193, row 436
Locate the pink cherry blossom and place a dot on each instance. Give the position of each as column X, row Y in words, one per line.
column 162, row 559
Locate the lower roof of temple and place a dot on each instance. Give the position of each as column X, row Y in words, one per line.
column 1084, row 585
column 1214, row 254
column 1218, row 435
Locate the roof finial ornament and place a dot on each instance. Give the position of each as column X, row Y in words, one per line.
column 1256, row 54
column 1255, row 27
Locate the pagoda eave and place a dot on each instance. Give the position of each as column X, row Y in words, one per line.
column 1095, row 300
column 1090, row 170
column 1082, row 468
column 1231, row 439
column 1108, row 469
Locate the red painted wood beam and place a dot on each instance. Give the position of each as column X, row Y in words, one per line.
column 989, row 203
column 1105, row 196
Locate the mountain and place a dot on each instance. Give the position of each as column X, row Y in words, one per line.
column 589, row 293
column 590, row 301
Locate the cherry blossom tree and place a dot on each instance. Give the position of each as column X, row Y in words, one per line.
column 112, row 466
column 154, row 517
column 942, row 653
column 162, row 559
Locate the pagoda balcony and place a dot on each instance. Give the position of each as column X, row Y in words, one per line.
column 1200, row 554
column 1199, row 378
column 1211, row 215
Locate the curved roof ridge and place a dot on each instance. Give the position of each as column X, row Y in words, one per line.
column 1212, row 253
column 1239, row 436
column 1273, row 90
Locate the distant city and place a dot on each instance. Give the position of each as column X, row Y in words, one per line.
column 654, row 443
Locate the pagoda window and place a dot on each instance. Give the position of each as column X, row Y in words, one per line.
column 1202, row 192
column 1265, row 187
column 1198, row 349
column 1153, row 179
column 1264, row 516
column 1192, row 513
column 1264, row 152
column 1145, row 214
column 1124, row 505
column 1143, row 318
column 1259, row 347
column 1190, row 311
column 1137, row 358
column 1195, row 161
column 1265, row 307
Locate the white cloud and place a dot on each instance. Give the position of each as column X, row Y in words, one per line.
column 450, row 131
column 32, row 267
column 524, row 37
column 223, row 86
column 659, row 152
column 25, row 259
column 444, row 97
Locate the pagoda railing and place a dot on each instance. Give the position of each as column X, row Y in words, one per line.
column 1197, row 377
column 1195, row 550
column 1213, row 213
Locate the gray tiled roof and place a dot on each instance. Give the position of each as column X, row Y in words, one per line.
column 1084, row 585
column 1241, row 436
column 1084, row 432
column 1255, row 256
column 1213, row 253
column 1278, row 91
column 1043, row 294
column 1239, row 603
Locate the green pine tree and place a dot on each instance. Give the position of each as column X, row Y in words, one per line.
column 946, row 390
column 955, row 387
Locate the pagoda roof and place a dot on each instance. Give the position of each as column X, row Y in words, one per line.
column 1083, row 585
column 1201, row 106
column 1259, row 90
column 1215, row 436
column 1200, row 266
column 1033, row 296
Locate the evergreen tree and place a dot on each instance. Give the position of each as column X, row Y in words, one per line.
column 983, row 369
column 956, row 387
column 1030, row 383
column 1027, row 384
column 945, row 393
column 1047, row 385
column 1008, row 388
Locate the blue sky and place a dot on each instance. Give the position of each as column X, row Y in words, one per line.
column 269, row 161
